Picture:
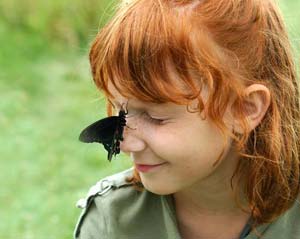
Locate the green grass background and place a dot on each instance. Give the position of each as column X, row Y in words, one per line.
column 47, row 97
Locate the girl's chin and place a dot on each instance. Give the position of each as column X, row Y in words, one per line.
column 159, row 189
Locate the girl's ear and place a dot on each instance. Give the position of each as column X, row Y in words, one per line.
column 256, row 103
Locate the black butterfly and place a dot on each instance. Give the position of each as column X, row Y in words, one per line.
column 107, row 131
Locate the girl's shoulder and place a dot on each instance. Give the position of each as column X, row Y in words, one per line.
column 105, row 186
column 104, row 192
column 286, row 226
column 114, row 208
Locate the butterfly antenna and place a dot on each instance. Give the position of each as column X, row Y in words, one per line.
column 125, row 109
column 130, row 127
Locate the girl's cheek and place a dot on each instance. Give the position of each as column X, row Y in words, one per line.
column 160, row 140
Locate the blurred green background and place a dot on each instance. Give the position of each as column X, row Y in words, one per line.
column 47, row 97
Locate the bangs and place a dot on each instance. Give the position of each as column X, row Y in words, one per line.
column 146, row 52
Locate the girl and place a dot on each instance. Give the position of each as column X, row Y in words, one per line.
column 212, row 127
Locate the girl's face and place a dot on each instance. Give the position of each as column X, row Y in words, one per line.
column 173, row 149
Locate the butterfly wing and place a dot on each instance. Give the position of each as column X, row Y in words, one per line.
column 114, row 147
column 101, row 131
column 107, row 131
column 111, row 151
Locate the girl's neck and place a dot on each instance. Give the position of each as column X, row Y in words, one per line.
column 209, row 209
column 196, row 221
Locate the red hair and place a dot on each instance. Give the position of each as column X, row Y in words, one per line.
column 224, row 45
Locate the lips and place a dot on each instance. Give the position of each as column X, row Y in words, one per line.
column 148, row 167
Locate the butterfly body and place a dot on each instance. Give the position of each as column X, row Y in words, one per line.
column 107, row 131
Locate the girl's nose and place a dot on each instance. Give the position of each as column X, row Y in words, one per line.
column 132, row 142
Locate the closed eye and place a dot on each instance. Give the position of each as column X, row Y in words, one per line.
column 151, row 119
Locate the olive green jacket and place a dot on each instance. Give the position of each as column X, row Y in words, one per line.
column 114, row 209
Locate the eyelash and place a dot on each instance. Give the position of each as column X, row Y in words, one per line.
column 151, row 119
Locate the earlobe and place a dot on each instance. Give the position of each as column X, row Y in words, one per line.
column 255, row 105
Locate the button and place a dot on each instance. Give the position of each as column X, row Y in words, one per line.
column 81, row 203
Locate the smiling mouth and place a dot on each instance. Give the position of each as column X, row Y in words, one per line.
column 143, row 168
